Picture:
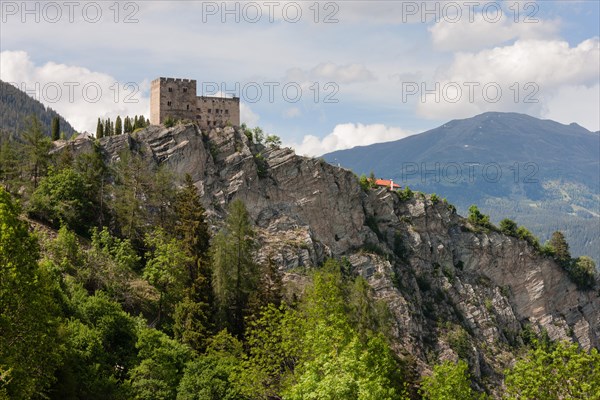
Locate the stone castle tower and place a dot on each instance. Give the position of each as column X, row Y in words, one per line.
column 176, row 98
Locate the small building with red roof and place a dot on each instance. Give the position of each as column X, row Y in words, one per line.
column 387, row 183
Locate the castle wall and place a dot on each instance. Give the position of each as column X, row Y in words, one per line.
column 217, row 111
column 176, row 98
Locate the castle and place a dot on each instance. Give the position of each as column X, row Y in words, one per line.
column 176, row 98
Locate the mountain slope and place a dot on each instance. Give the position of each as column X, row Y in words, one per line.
column 441, row 277
column 16, row 106
column 539, row 172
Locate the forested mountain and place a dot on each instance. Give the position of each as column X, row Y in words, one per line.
column 174, row 263
column 541, row 173
column 16, row 106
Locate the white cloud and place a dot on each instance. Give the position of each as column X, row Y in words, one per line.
column 482, row 33
column 248, row 116
column 78, row 94
column 539, row 69
column 575, row 104
column 345, row 136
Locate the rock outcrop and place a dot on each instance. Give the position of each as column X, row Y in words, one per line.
column 454, row 289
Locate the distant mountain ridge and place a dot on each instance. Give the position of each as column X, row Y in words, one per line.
column 16, row 106
column 541, row 173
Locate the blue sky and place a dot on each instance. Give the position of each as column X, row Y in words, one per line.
column 373, row 58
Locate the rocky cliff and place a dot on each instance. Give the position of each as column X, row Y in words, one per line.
column 454, row 290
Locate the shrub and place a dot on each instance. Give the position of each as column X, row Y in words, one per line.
column 478, row 219
column 261, row 165
column 508, row 227
column 169, row 122
column 582, row 271
column 525, row 234
column 405, row 194
column 434, row 198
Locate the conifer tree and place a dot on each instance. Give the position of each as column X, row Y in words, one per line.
column 127, row 125
column 55, row 129
column 37, row 147
column 235, row 275
column 560, row 248
column 118, row 125
column 99, row 130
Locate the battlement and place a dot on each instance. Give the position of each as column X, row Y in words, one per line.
column 174, row 80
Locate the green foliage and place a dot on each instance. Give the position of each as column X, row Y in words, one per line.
column 261, row 165
column 524, row 234
column 61, row 199
column 459, row 341
column 335, row 362
column 99, row 129
column 235, row 275
column 169, row 122
column 364, row 183
column 118, row 126
column 55, row 129
column 258, row 135
column 582, row 272
column 162, row 361
column 166, row 267
column 273, row 141
column 434, row 198
column 562, row 372
column 141, row 187
column 109, row 266
column 560, row 249
column 477, row 219
column 508, row 227
column 212, row 376
column 37, row 147
column 449, row 381
column 274, row 349
column 405, row 194
column 11, row 164
column 28, row 313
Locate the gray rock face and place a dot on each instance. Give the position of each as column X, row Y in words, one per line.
column 442, row 280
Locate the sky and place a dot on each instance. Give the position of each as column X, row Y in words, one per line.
column 322, row 75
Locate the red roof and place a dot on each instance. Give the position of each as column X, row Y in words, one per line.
column 387, row 183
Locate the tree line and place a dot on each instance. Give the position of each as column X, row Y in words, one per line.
column 120, row 126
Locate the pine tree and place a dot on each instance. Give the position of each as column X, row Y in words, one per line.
column 118, row 126
column 108, row 129
column 127, row 125
column 135, row 123
column 55, row 129
column 37, row 147
column 99, row 130
column 235, row 275
column 560, row 248
column 191, row 227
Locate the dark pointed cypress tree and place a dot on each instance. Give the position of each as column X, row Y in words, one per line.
column 118, row 126
column 99, row 130
column 55, row 129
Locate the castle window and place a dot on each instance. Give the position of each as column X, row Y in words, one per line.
column 227, row 112
column 168, row 103
column 184, row 90
column 209, row 110
column 188, row 106
column 170, row 90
